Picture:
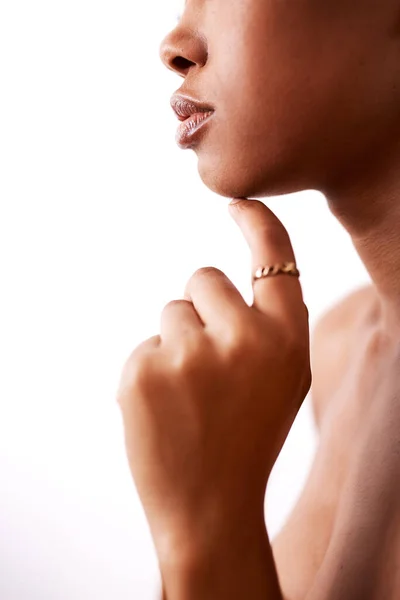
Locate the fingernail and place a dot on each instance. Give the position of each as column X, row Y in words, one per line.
column 235, row 201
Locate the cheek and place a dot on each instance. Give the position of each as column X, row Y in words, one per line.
column 260, row 127
column 263, row 87
column 287, row 100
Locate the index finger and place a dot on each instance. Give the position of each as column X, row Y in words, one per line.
column 277, row 295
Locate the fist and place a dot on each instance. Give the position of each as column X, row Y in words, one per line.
column 208, row 403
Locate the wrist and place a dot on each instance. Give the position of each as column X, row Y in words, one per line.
column 233, row 561
column 188, row 541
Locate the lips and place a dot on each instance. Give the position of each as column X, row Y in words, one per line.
column 193, row 116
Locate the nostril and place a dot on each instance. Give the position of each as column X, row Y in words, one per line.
column 182, row 64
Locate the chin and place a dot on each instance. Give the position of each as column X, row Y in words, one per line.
column 232, row 179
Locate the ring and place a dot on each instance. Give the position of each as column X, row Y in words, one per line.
column 286, row 268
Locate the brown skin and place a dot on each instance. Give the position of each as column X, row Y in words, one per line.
column 207, row 406
column 306, row 95
column 348, row 515
column 303, row 89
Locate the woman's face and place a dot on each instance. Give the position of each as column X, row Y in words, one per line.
column 304, row 91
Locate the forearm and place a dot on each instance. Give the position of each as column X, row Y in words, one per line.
column 234, row 565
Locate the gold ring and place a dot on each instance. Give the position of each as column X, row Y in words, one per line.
column 286, row 268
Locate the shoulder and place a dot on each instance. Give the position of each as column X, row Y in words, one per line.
column 332, row 342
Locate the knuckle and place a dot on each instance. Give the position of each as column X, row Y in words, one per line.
column 141, row 370
column 182, row 362
column 199, row 274
column 206, row 271
column 173, row 304
column 243, row 340
column 190, row 355
column 136, row 373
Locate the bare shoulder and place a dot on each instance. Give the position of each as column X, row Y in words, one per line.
column 332, row 341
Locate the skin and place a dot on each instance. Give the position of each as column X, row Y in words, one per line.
column 306, row 96
column 315, row 78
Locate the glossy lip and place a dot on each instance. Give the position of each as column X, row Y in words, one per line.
column 188, row 133
column 194, row 115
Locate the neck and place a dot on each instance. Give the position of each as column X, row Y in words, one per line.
column 369, row 209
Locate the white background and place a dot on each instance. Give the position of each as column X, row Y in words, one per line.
column 102, row 221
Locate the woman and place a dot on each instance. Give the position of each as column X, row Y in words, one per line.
column 277, row 97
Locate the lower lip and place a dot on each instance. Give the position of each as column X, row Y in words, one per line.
column 190, row 130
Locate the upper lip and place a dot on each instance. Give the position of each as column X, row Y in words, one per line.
column 184, row 106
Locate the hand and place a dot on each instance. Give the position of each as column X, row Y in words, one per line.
column 208, row 404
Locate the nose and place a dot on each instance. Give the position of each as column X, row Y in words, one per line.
column 183, row 49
